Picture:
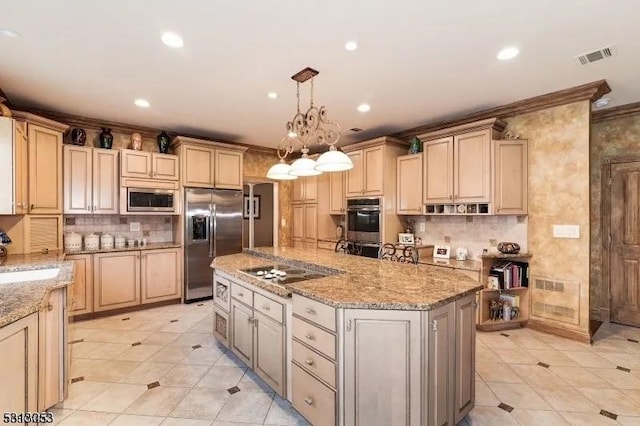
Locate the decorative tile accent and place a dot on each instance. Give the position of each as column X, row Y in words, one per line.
column 505, row 407
column 543, row 364
column 608, row 414
column 633, row 340
column 233, row 390
column 136, row 343
column 77, row 379
column 126, row 319
column 625, row 369
column 504, row 334
column 70, row 221
column 123, row 221
column 200, row 304
column 174, row 320
column 196, row 347
column 153, row 385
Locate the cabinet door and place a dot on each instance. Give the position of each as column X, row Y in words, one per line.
column 21, row 169
column 440, row 365
column 409, row 184
column 383, row 385
column 165, row 166
column 106, row 181
column 197, row 166
column 269, row 352
column 221, row 326
column 45, row 170
column 82, row 288
column 160, row 275
column 465, row 336
column 510, row 177
column 242, row 332
column 116, row 279
column 77, row 178
column 472, row 167
column 51, row 351
column 19, row 366
column 374, row 171
column 43, row 233
column 310, row 189
column 228, row 169
column 310, row 222
column 355, row 176
column 135, row 164
column 298, row 223
column 336, row 193
column 298, row 190
column 438, row 171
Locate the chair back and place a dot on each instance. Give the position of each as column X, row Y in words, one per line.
column 398, row 253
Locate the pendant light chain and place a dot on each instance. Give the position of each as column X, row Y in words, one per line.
column 311, row 102
column 298, row 95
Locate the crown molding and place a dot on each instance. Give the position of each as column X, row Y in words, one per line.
column 40, row 120
column 185, row 140
column 615, row 112
column 590, row 91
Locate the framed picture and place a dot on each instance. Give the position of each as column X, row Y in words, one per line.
column 406, row 239
column 442, row 252
column 251, row 209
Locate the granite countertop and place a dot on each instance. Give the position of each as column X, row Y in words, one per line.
column 355, row 281
column 18, row 300
column 469, row 264
column 149, row 246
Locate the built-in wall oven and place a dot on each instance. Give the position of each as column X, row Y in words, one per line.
column 364, row 219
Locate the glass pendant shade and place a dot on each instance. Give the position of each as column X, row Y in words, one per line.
column 334, row 161
column 280, row 171
column 304, row 166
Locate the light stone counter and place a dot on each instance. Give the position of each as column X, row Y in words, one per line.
column 148, row 246
column 355, row 281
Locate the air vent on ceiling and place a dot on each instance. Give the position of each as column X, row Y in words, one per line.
column 355, row 129
column 596, row 55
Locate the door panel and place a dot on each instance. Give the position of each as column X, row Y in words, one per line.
column 160, row 275
column 81, row 292
column 21, row 169
column 440, row 364
column 227, row 222
column 45, row 170
column 19, row 366
column 355, row 176
column 471, row 167
column 310, row 222
column 77, row 180
column 242, row 332
column 197, row 166
column 298, row 223
column 135, row 164
column 228, row 169
column 409, row 172
column 106, row 181
column 373, row 171
column 116, row 277
column 269, row 352
column 165, row 166
column 511, row 177
column 465, row 356
column 336, row 191
column 438, row 171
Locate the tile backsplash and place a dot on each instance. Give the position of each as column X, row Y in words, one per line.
column 156, row 229
column 475, row 234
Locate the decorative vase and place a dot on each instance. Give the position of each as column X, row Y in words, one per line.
column 415, row 146
column 78, row 137
column 106, row 138
column 163, row 142
column 508, row 248
column 136, row 141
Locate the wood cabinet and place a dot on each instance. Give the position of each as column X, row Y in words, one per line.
column 160, row 274
column 242, row 331
column 355, row 176
column 116, row 278
column 440, row 343
column 409, row 184
column 228, row 169
column 21, row 172
column 510, row 182
column 367, row 176
column 90, row 180
column 52, row 350
column 438, row 171
column 197, row 164
column 43, row 233
column 337, row 199
column 376, row 393
column 305, row 223
column 164, row 166
column 81, row 291
column 472, row 167
column 305, row 189
column 19, row 366
column 45, row 170
column 298, row 223
column 149, row 165
column 270, row 346
column 465, row 335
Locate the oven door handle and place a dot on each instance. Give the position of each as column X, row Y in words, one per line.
column 363, row 209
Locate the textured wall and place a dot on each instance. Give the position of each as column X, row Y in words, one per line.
column 609, row 138
column 559, row 194
column 263, row 227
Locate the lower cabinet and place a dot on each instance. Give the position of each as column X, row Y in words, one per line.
column 440, row 365
column 19, row 366
column 52, row 350
column 242, row 331
column 269, row 351
column 465, row 337
column 81, row 291
column 160, row 275
column 116, row 278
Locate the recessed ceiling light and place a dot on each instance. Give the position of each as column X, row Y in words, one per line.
column 364, row 107
column 9, row 33
column 272, row 95
column 351, row 46
column 172, row 39
column 142, row 103
column 602, row 102
column 508, row 53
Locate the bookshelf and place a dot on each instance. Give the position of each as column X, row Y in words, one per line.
column 487, row 295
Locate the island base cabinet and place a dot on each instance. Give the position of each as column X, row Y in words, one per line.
column 465, row 337
column 315, row 401
column 242, row 332
column 382, row 386
column 52, row 350
column 19, row 366
column 221, row 326
column 269, row 352
column 440, row 373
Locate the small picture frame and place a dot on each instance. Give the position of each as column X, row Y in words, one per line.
column 493, row 282
column 441, row 252
column 251, row 209
column 406, row 239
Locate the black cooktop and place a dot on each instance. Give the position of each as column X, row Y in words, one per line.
column 282, row 274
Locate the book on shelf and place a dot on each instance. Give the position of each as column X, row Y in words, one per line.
column 511, row 299
column 510, row 274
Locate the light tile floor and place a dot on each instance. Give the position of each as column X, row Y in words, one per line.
column 162, row 367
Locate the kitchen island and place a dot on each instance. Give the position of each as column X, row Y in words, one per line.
column 372, row 342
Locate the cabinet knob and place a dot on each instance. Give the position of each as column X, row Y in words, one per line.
column 95, row 208
column 88, row 208
column 310, row 311
column 308, row 401
column 32, row 206
column 308, row 361
column 266, row 307
column 309, row 336
column 241, row 294
column 49, row 307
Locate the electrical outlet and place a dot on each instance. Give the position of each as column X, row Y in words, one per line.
column 447, row 239
column 493, row 243
column 134, row 227
column 522, row 219
column 283, row 222
column 421, row 227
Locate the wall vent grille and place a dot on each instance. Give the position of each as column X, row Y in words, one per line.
column 556, row 300
column 596, row 55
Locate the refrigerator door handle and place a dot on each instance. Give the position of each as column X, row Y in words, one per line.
column 211, row 213
column 215, row 230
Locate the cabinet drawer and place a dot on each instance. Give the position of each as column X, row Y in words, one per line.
column 268, row 307
column 314, row 363
column 323, row 341
column 242, row 294
column 315, row 312
column 315, row 401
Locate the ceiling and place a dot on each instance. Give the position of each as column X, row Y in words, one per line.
column 418, row 61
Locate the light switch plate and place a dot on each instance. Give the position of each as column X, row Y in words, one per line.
column 421, row 227
column 283, row 222
column 134, row 227
column 566, row 231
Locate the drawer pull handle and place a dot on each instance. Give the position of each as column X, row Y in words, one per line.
column 310, row 311
column 308, row 401
column 266, row 307
column 308, row 361
column 240, row 294
column 309, row 336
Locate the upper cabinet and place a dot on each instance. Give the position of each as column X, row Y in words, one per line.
column 21, row 169
column 305, row 189
column 337, row 201
column 438, row 171
column 510, row 162
column 472, row 167
column 206, row 164
column 90, row 180
column 164, row 166
column 409, row 171
column 355, row 176
column 148, row 165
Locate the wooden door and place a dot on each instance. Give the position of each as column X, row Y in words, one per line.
column 465, row 336
column 81, row 291
column 510, row 168
column 160, row 275
column 77, row 178
column 197, row 166
column 440, row 365
column 374, row 171
column 106, row 182
column 19, row 366
column 298, row 223
column 165, row 166
column 472, row 167
column 45, row 170
column 311, row 223
column 269, row 352
column 409, row 184
column 337, row 199
column 21, row 169
column 228, row 169
column 116, row 279
column 438, row 171
column 298, row 190
column 51, row 351
column 355, row 176
column 242, row 332
column 382, row 386
column 43, row 233
column 625, row 243
column 135, row 164
column 310, row 189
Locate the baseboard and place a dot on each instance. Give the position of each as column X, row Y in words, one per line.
column 101, row 314
column 579, row 336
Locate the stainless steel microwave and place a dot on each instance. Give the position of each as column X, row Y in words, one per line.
column 142, row 200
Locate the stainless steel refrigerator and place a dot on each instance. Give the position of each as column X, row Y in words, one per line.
column 213, row 228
